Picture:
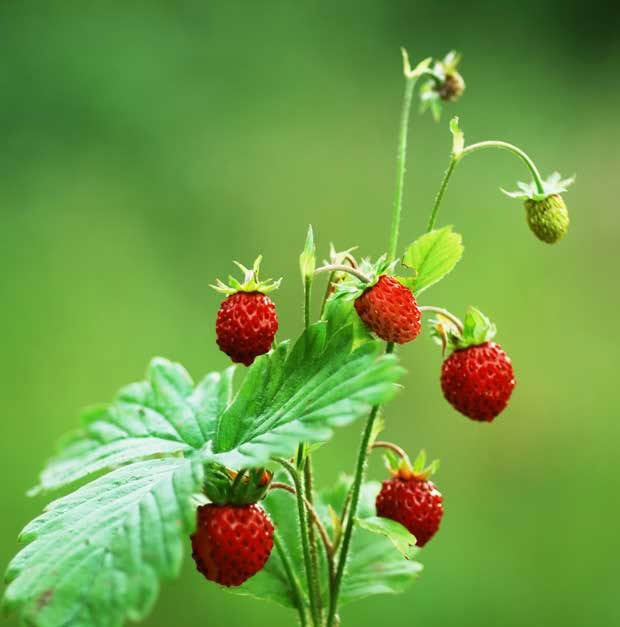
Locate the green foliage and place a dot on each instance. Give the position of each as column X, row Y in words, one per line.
column 375, row 566
column 433, row 256
column 96, row 556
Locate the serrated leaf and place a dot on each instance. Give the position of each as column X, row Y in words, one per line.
column 401, row 538
column 433, row 256
column 95, row 557
column 163, row 415
column 300, row 392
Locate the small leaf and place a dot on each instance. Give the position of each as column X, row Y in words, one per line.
column 433, row 256
column 402, row 539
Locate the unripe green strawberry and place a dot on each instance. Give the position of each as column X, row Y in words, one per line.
column 548, row 218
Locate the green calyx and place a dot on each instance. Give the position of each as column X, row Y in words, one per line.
column 548, row 219
column 475, row 329
column 251, row 282
column 350, row 287
column 403, row 468
column 223, row 486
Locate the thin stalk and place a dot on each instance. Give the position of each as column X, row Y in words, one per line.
column 517, row 151
column 326, row 295
column 313, row 583
column 290, row 573
column 343, row 268
column 456, row 158
column 445, row 313
column 440, row 193
column 401, row 161
column 307, row 300
column 390, row 446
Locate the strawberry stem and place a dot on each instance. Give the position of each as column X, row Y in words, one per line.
column 456, row 159
column 446, row 314
column 290, row 573
column 313, row 583
column 391, row 446
column 344, row 268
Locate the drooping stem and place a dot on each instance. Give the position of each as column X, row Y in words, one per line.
column 456, row 159
column 401, row 161
column 312, row 576
column 445, row 313
column 290, row 573
column 390, row 446
column 343, row 268
column 517, row 151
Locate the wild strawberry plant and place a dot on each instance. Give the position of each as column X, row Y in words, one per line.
column 226, row 467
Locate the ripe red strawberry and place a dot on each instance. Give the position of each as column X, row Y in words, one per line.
column 246, row 321
column 478, row 380
column 232, row 542
column 246, row 325
column 414, row 502
column 390, row 310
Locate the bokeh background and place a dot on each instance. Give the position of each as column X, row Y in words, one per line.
column 146, row 145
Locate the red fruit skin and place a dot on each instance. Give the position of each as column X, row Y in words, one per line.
column 246, row 325
column 231, row 543
column 415, row 503
column 478, row 381
column 390, row 310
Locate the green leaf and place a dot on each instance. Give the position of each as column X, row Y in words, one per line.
column 94, row 557
column 374, row 566
column 433, row 255
column 299, row 393
column 163, row 415
column 401, row 538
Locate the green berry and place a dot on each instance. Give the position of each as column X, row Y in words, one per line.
column 548, row 218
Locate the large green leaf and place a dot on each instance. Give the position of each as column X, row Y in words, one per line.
column 94, row 557
column 164, row 415
column 375, row 566
column 298, row 393
column 432, row 256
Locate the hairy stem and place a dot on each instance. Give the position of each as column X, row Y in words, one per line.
column 312, row 577
column 440, row 193
column 313, row 518
column 401, row 161
column 290, row 573
column 362, row 458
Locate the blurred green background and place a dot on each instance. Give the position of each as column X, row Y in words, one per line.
column 146, row 145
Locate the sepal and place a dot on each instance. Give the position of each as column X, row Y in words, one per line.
column 555, row 184
column 223, row 486
column 402, row 467
column 476, row 329
column 251, row 282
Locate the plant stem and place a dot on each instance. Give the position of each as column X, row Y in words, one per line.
column 290, row 573
column 456, row 158
column 401, row 160
column 391, row 446
column 355, row 495
column 326, row 295
column 517, row 151
column 362, row 458
column 440, row 193
column 307, row 300
column 445, row 313
column 344, row 268
column 313, row 583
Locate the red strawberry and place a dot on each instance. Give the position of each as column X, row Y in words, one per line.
column 246, row 321
column 390, row 310
column 414, row 502
column 478, row 380
column 231, row 543
column 246, row 325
